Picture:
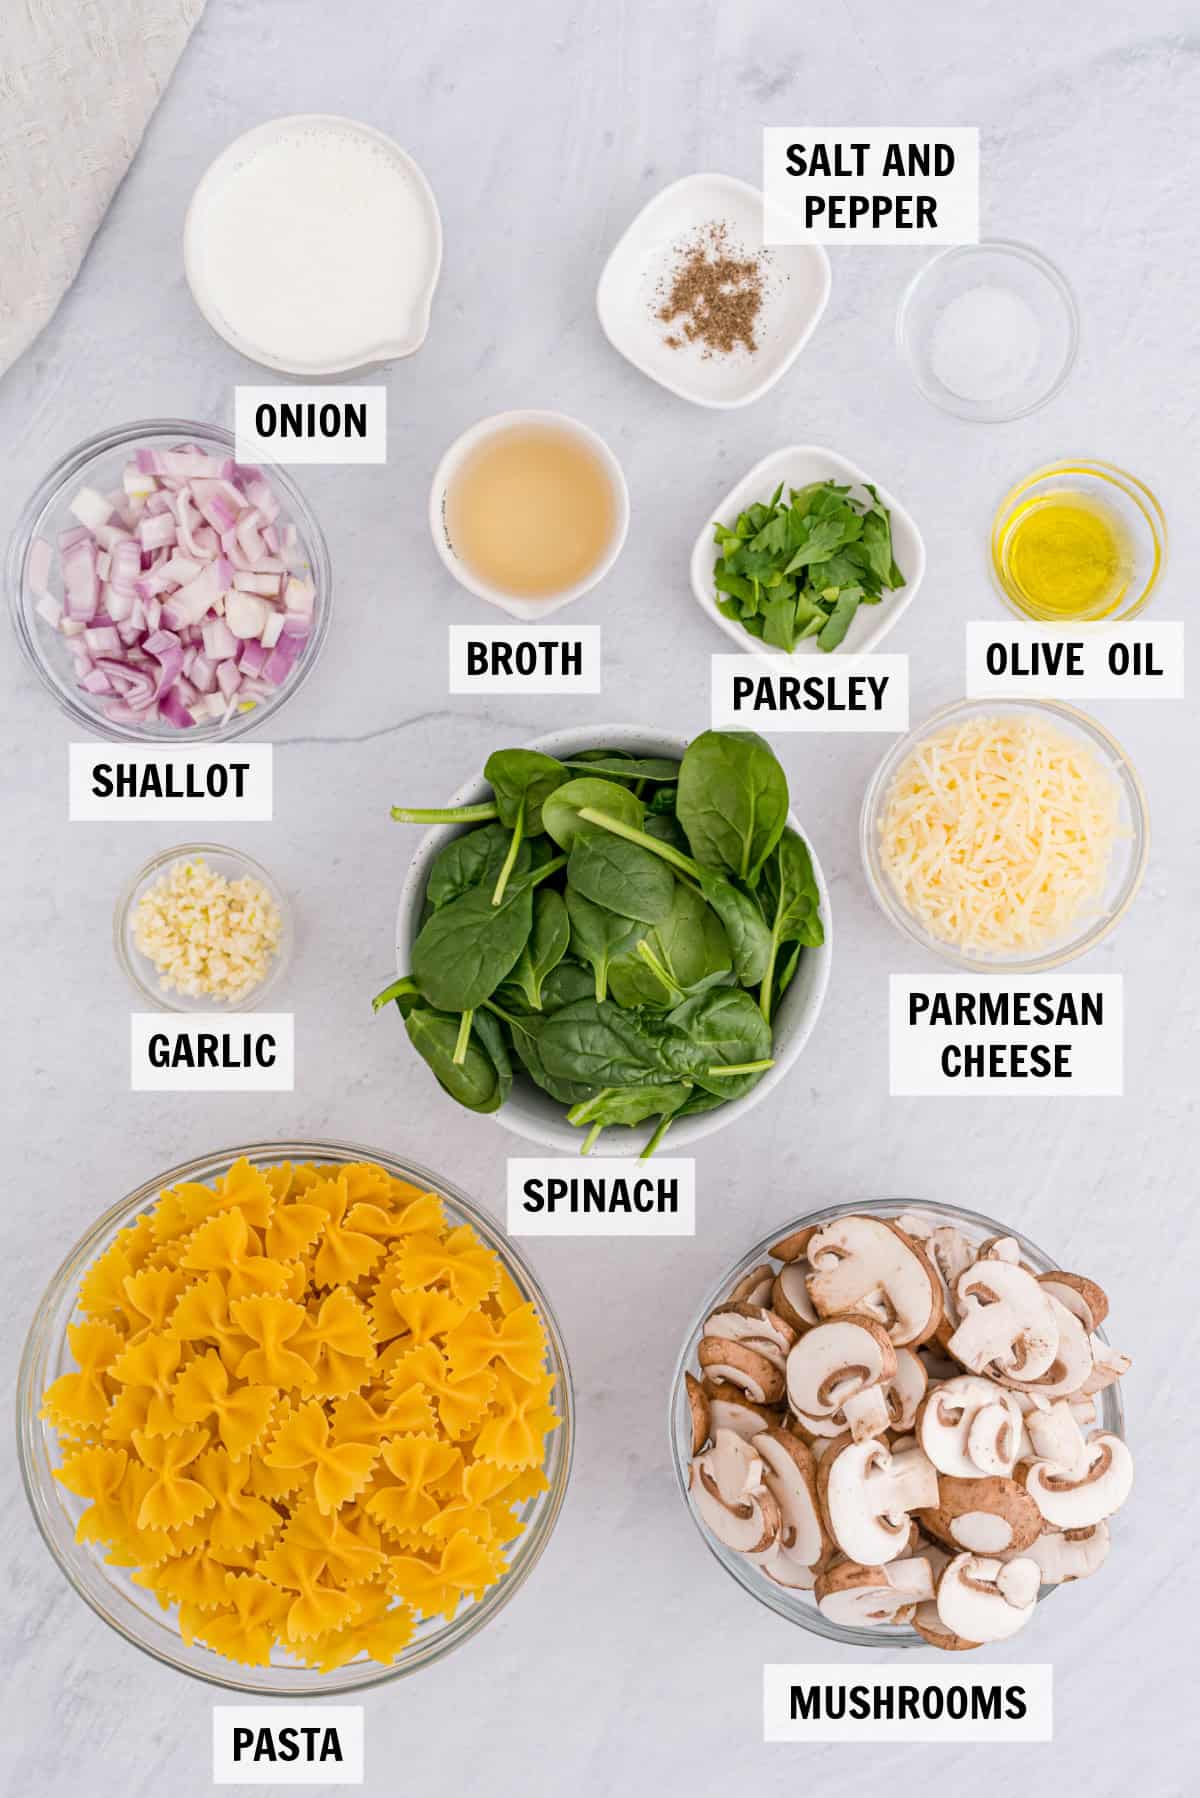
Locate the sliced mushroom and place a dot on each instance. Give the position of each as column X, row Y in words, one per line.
column 743, row 1367
column 699, row 1410
column 1087, row 1301
column 754, row 1288
column 984, row 1600
column 852, row 1594
column 757, row 1327
column 866, row 1267
column 730, row 1497
column 866, row 1495
column 782, row 1570
column 789, row 1297
column 1073, row 1359
column 1007, row 1323
column 927, row 1623
column 1076, row 1504
column 1109, row 1366
column 1056, row 1439
column 987, row 1516
column 793, row 1247
column 790, row 1475
column 1000, row 1248
column 867, row 1413
column 730, row 1409
column 917, row 1224
column 905, row 1390
column 833, row 1362
column 947, row 1420
column 1065, row 1555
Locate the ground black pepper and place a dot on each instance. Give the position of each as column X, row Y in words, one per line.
column 713, row 294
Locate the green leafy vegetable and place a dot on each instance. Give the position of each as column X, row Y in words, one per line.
column 561, row 814
column 621, row 876
column 599, row 936
column 790, row 902
column 802, row 567
column 546, row 946
column 732, row 802
column 476, row 1080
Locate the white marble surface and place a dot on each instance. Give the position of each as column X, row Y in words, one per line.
column 630, row 1663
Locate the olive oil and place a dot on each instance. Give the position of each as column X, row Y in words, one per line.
column 531, row 511
column 1067, row 556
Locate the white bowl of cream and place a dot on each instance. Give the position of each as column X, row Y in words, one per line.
column 313, row 245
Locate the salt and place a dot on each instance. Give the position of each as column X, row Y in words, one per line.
column 985, row 343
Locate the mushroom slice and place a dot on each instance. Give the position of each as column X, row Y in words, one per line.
column 742, row 1367
column 833, row 1362
column 853, row 1594
column 780, row 1568
column 983, row 1600
column 700, row 1411
column 1000, row 1248
column 1076, row 1504
column 816, row 1431
column 793, row 1247
column 917, row 1224
column 1108, row 1366
column 790, row 1475
column 946, row 1420
column 1065, row 1555
column 727, row 1488
column 988, row 1516
column 927, row 1623
column 757, row 1327
column 754, row 1288
column 1007, row 1322
column 905, row 1390
column 1056, row 1439
column 1087, row 1301
column 789, row 1297
column 867, row 1413
column 866, row 1267
column 730, row 1409
column 1073, row 1360
column 866, row 1494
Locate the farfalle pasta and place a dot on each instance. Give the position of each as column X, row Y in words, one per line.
column 306, row 1411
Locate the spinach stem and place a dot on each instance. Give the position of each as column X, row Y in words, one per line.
column 768, row 981
column 664, row 1125
column 510, row 859
column 445, row 814
column 674, row 993
column 464, row 1037
column 730, row 1070
column 396, row 990
column 590, row 1138
column 630, row 832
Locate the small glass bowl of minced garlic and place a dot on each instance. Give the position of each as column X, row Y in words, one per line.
column 1078, row 542
column 202, row 928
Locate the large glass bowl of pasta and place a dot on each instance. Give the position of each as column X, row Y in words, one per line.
column 295, row 1418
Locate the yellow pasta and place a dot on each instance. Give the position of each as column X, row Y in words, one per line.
column 305, row 1411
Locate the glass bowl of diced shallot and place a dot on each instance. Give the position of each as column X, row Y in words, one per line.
column 165, row 592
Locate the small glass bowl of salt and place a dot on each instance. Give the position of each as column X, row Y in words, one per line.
column 989, row 330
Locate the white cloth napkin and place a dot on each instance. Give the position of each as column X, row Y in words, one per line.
column 79, row 80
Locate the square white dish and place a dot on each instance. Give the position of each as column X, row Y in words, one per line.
column 796, row 467
column 627, row 297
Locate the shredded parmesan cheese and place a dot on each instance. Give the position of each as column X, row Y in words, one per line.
column 997, row 833
column 208, row 937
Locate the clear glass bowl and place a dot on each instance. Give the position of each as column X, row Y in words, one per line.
column 1130, row 852
column 133, row 1611
column 800, row 1607
column 1137, row 514
column 143, row 974
column 1028, row 290
column 98, row 462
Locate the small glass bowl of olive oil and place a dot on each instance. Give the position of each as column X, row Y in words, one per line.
column 1077, row 542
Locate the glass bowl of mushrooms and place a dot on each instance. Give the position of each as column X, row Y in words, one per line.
column 899, row 1425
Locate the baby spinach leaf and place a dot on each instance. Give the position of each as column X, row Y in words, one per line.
column 464, row 951
column 792, row 907
column 628, row 1105
column 595, row 1043
column 569, row 981
column 599, row 936
column 471, row 860
column 546, row 946
column 733, row 801
column 687, row 952
column 621, row 876
column 560, row 816
column 626, row 767
column 724, row 1029
column 475, row 1081
column 522, row 780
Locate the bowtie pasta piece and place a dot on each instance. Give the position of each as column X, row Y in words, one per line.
column 305, row 1411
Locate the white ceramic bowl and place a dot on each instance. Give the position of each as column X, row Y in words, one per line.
column 533, row 1114
column 796, row 467
column 408, row 330
column 797, row 292
column 529, row 610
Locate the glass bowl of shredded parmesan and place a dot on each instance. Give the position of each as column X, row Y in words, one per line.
column 1005, row 835
column 202, row 928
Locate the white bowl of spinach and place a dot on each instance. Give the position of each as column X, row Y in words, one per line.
column 660, row 947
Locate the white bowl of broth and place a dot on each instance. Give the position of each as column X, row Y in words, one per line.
column 529, row 510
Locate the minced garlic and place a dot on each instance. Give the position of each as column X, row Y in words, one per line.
column 208, row 937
